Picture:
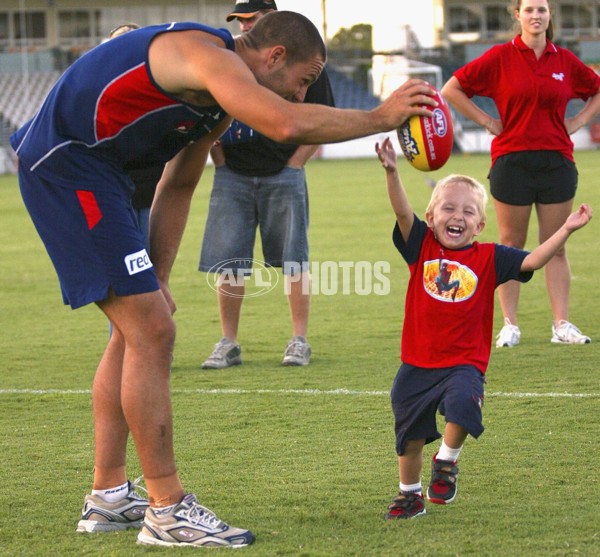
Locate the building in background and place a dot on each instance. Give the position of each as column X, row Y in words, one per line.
column 474, row 25
column 77, row 25
column 386, row 45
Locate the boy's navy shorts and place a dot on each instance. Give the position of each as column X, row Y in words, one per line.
column 418, row 393
column 92, row 238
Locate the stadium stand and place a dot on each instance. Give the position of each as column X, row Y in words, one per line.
column 21, row 95
column 349, row 94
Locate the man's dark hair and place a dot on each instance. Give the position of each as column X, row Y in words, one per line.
column 292, row 30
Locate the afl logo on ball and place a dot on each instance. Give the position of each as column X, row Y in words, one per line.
column 440, row 124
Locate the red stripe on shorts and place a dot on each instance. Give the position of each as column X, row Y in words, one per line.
column 90, row 207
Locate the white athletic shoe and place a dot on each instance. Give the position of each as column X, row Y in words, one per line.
column 297, row 352
column 567, row 333
column 190, row 524
column 99, row 516
column 226, row 353
column 509, row 335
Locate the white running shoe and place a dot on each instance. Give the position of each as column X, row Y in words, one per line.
column 190, row 524
column 509, row 335
column 567, row 333
column 297, row 352
column 99, row 516
column 226, row 353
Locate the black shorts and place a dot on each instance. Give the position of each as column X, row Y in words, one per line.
column 528, row 177
column 418, row 394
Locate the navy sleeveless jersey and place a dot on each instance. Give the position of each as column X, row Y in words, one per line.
column 107, row 109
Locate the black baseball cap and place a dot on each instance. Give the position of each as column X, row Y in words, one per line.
column 249, row 8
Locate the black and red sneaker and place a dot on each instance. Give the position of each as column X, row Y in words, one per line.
column 442, row 487
column 406, row 505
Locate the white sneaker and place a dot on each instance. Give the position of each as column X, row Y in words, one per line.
column 567, row 333
column 98, row 515
column 190, row 524
column 226, row 353
column 297, row 352
column 509, row 335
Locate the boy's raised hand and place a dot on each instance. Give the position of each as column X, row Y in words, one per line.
column 579, row 218
column 387, row 155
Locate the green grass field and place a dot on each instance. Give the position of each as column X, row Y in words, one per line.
column 305, row 457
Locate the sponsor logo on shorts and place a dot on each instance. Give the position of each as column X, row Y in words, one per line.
column 137, row 262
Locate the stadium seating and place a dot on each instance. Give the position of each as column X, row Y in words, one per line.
column 349, row 94
column 22, row 94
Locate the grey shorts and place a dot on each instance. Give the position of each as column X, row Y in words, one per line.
column 277, row 205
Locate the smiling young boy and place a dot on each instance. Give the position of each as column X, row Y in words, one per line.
column 447, row 333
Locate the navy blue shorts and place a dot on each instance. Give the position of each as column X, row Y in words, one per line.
column 92, row 238
column 528, row 177
column 418, row 393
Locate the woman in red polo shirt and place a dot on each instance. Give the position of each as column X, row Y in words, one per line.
column 531, row 80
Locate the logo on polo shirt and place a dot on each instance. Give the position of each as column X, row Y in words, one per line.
column 137, row 262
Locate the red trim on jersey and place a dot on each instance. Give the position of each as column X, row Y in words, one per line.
column 88, row 203
column 126, row 99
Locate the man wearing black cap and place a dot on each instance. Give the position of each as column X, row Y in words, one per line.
column 248, row 12
column 260, row 183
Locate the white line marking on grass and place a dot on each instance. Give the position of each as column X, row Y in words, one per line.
column 284, row 392
column 45, row 391
column 544, row 395
column 317, row 392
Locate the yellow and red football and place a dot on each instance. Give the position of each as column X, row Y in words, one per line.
column 426, row 141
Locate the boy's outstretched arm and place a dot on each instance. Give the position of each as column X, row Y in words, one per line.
column 544, row 252
column 396, row 192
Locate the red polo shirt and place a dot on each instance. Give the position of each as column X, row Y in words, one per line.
column 531, row 95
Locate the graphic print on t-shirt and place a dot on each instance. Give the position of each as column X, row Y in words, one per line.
column 448, row 281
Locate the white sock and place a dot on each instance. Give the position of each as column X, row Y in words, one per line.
column 411, row 488
column 113, row 494
column 448, row 453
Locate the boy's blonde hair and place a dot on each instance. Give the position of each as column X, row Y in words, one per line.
column 477, row 188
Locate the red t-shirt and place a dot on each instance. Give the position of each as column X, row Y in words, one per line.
column 531, row 95
column 449, row 309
